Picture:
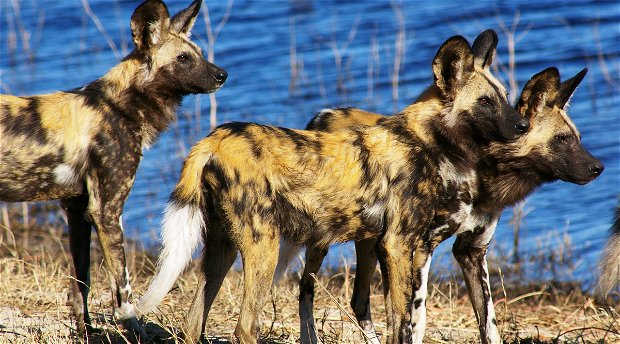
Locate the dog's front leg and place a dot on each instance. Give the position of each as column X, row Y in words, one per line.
column 421, row 267
column 108, row 187
column 470, row 252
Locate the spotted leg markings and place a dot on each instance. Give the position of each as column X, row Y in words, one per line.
column 127, row 309
column 127, row 287
column 483, row 240
column 418, row 312
column 491, row 323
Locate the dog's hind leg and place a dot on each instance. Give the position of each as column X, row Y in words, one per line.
column 218, row 256
column 360, row 300
column 470, row 252
column 79, row 242
column 259, row 246
column 314, row 259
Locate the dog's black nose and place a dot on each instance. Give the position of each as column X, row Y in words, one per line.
column 522, row 126
column 597, row 168
column 221, row 76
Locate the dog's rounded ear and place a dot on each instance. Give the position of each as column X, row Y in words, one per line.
column 568, row 87
column 149, row 23
column 452, row 65
column 183, row 22
column 539, row 92
column 484, row 48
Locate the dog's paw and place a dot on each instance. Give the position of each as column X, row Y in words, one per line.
column 126, row 311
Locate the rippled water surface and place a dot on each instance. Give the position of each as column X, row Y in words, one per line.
column 344, row 54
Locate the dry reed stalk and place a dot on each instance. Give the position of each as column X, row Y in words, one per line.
column 101, row 28
column 399, row 53
column 212, row 35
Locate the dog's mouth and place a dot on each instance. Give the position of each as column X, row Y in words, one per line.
column 580, row 181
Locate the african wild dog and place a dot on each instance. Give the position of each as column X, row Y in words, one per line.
column 247, row 184
column 609, row 265
column 550, row 150
column 484, row 48
column 83, row 146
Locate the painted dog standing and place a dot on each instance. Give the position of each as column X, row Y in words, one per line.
column 245, row 185
column 84, row 146
column 551, row 150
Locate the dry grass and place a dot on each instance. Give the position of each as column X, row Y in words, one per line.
column 33, row 289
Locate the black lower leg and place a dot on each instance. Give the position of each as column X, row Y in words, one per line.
column 79, row 241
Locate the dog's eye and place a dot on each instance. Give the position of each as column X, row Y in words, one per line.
column 484, row 101
column 183, row 57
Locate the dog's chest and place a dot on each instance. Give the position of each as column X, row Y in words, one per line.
column 455, row 207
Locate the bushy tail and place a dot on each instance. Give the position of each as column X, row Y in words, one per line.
column 182, row 226
column 609, row 265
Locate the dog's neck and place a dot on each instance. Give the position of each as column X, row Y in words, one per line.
column 425, row 119
column 506, row 177
column 139, row 96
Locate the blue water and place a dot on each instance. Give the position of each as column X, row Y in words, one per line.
column 67, row 50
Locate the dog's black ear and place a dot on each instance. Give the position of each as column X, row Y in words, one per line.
column 540, row 91
column 568, row 87
column 183, row 22
column 484, row 48
column 149, row 23
column 452, row 65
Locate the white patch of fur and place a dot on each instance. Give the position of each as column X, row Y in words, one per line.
column 493, row 80
column 288, row 251
column 492, row 331
column 65, row 174
column 127, row 287
column 418, row 316
column 609, row 266
column 154, row 29
column 448, row 173
column 484, row 239
column 570, row 124
column 125, row 311
column 181, row 228
column 540, row 106
column 462, row 216
column 450, row 117
column 317, row 119
column 472, row 221
column 375, row 212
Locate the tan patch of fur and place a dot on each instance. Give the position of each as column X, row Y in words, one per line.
column 543, row 127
